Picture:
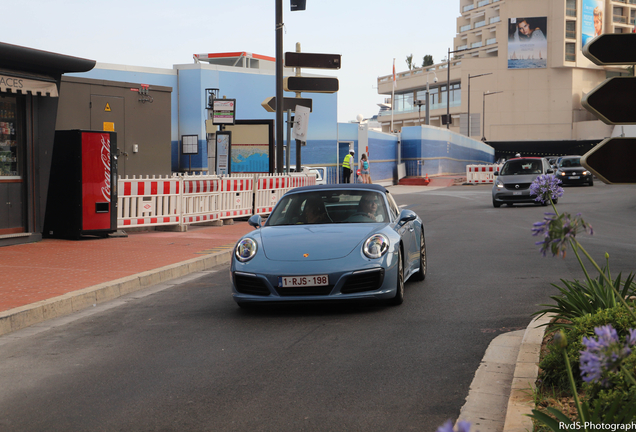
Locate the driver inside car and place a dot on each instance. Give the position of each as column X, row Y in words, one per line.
column 368, row 206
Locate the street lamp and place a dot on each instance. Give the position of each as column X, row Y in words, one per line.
column 483, row 115
column 448, row 85
column 469, row 77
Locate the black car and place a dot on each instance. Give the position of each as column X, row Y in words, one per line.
column 570, row 171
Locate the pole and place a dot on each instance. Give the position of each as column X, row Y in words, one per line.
column 448, row 90
column 279, row 86
column 469, row 77
column 393, row 96
column 288, row 152
column 428, row 110
column 483, row 116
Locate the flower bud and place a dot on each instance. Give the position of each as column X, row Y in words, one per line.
column 560, row 340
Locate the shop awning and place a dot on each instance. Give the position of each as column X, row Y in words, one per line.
column 18, row 85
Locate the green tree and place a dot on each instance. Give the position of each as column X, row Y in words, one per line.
column 409, row 61
column 428, row 60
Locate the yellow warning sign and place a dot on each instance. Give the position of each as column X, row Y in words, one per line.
column 107, row 107
column 109, row 126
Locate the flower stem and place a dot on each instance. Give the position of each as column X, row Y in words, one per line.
column 574, row 391
column 574, row 244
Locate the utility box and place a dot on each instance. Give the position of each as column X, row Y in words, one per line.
column 82, row 197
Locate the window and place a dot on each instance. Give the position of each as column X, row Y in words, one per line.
column 570, row 29
column 10, row 154
column 570, row 52
column 570, row 8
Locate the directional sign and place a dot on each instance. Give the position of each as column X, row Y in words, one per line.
column 612, row 49
column 288, row 103
column 311, row 84
column 613, row 100
column 612, row 160
column 312, row 60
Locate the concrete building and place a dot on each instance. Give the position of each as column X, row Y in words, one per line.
column 517, row 70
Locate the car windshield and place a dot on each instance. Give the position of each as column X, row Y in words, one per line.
column 522, row 166
column 570, row 162
column 329, row 206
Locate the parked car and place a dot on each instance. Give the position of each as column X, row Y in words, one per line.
column 570, row 171
column 335, row 242
column 512, row 183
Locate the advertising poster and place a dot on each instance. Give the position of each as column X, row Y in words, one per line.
column 527, row 43
column 591, row 19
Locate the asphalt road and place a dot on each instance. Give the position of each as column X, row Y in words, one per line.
column 186, row 358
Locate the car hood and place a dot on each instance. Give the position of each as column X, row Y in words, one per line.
column 513, row 179
column 572, row 169
column 319, row 242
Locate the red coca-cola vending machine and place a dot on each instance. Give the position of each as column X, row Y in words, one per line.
column 82, row 196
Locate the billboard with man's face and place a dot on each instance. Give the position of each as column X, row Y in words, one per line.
column 527, row 43
column 592, row 19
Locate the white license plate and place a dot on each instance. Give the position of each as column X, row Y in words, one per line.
column 574, row 177
column 516, row 193
column 301, row 281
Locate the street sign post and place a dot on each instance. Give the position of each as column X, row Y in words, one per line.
column 288, row 103
column 613, row 100
column 612, row 49
column 312, row 60
column 612, row 160
column 311, row 84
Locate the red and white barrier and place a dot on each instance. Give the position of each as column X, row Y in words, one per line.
column 200, row 199
column 481, row 174
column 183, row 200
column 148, row 201
column 237, row 196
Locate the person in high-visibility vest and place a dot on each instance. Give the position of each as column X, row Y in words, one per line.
column 346, row 167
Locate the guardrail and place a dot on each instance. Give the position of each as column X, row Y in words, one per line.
column 188, row 199
column 481, row 174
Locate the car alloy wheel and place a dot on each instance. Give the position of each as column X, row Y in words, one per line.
column 399, row 294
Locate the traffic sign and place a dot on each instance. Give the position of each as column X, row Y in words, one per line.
column 612, row 160
column 312, row 60
column 311, row 84
column 613, row 100
column 612, row 49
column 288, row 103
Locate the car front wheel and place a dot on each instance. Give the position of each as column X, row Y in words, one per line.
column 399, row 294
column 421, row 274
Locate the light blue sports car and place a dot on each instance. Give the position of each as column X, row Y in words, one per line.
column 330, row 242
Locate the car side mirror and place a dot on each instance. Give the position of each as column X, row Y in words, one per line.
column 406, row 216
column 549, row 171
column 255, row 221
column 496, row 173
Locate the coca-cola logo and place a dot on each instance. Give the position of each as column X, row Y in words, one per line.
column 105, row 155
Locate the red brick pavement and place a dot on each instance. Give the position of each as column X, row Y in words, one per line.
column 50, row 268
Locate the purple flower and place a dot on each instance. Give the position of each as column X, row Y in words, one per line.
column 462, row 426
column 546, row 188
column 557, row 231
column 604, row 354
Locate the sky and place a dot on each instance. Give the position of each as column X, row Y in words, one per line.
column 368, row 34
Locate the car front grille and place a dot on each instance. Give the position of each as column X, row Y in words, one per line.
column 521, row 186
column 246, row 284
column 363, row 281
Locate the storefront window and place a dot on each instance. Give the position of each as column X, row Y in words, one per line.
column 9, row 147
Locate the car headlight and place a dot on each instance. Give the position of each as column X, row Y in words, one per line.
column 586, row 173
column 563, row 173
column 376, row 246
column 245, row 249
column 499, row 184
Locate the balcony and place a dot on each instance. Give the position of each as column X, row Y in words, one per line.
column 465, row 28
column 468, row 8
column 483, row 3
column 619, row 19
column 475, row 45
column 480, row 24
column 498, row 18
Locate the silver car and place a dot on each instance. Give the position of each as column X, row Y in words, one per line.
column 512, row 183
